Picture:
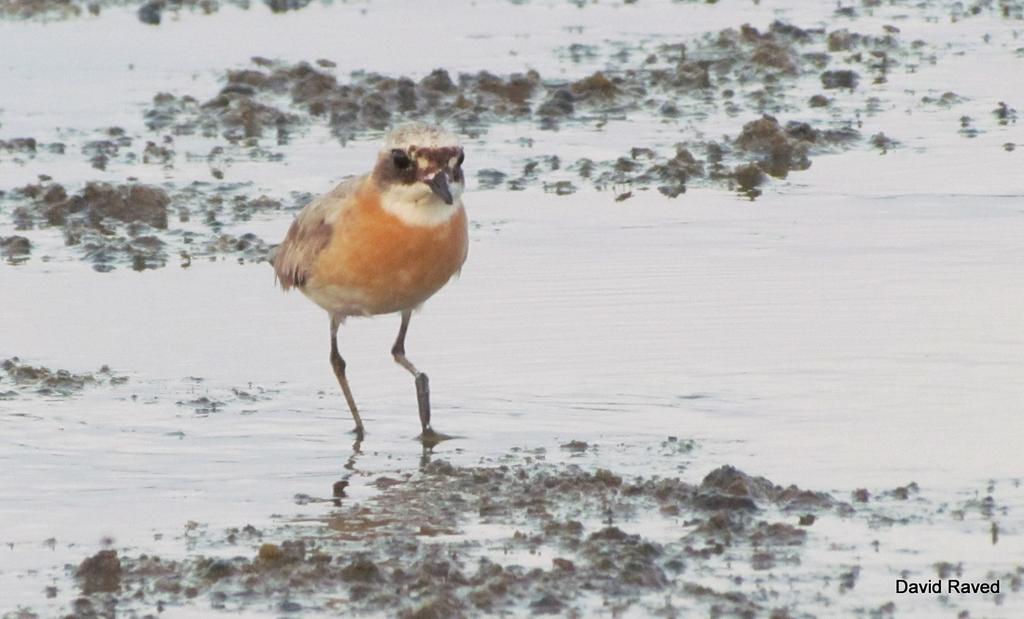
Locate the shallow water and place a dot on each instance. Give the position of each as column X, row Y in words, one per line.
column 860, row 325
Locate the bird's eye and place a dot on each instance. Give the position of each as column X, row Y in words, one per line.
column 400, row 159
column 462, row 157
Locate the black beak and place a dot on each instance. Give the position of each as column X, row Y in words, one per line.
column 439, row 185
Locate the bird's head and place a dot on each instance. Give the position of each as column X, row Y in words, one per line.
column 420, row 166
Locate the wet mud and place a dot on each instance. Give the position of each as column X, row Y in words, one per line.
column 560, row 540
column 20, row 378
column 387, row 554
column 739, row 71
column 15, row 249
column 149, row 11
column 138, row 225
column 204, row 399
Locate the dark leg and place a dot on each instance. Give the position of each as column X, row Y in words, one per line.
column 339, row 372
column 422, row 382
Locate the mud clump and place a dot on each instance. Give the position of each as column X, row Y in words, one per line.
column 575, row 446
column 777, row 534
column 730, row 488
column 674, row 174
column 778, row 152
column 748, row 178
column 96, row 204
column 559, row 104
column 274, row 556
column 100, row 152
column 489, row 178
column 155, row 153
column 25, row 9
column 363, row 570
column 560, row 188
column 45, row 381
column 686, row 76
column 100, row 573
column 246, row 248
column 596, row 86
column 902, row 493
column 517, row 89
column 109, row 224
column 165, row 110
column 842, row 40
column 627, row 560
column 15, row 249
column 844, row 78
column 883, row 142
column 151, row 12
column 1005, row 114
column 282, row 6
column 233, row 114
column 218, row 569
column 763, row 148
column 644, row 168
column 148, row 12
column 763, row 57
column 770, row 54
column 130, row 225
column 243, row 117
column 127, row 203
column 20, row 145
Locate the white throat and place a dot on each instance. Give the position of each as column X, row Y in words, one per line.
column 416, row 205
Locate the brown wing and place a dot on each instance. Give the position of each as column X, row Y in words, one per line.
column 309, row 234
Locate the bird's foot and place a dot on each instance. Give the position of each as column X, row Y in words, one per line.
column 429, row 437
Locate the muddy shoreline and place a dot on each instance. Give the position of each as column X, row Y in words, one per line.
column 411, row 550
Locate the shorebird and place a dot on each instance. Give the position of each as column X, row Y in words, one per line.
column 382, row 243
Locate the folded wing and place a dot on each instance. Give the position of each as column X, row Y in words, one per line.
column 294, row 258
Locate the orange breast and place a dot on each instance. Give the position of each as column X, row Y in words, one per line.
column 385, row 264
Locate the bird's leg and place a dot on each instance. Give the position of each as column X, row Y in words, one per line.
column 422, row 382
column 339, row 372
